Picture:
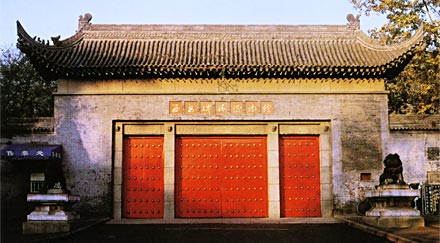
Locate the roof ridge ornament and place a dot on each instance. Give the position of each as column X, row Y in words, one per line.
column 56, row 40
column 84, row 21
column 354, row 23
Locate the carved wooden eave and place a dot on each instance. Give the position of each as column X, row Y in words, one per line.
column 235, row 51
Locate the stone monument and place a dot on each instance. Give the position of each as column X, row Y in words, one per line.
column 52, row 203
column 392, row 199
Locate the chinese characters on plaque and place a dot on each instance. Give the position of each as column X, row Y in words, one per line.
column 221, row 107
column 25, row 153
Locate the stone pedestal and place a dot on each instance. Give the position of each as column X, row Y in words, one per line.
column 392, row 207
column 45, row 227
column 50, row 214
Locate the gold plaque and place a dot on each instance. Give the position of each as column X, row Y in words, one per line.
column 207, row 107
column 237, row 107
column 191, row 107
column 176, row 107
column 221, row 107
column 251, row 107
column 266, row 107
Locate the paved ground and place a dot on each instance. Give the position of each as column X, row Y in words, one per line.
column 428, row 234
column 214, row 233
column 340, row 229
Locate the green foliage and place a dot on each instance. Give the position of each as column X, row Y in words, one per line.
column 417, row 88
column 24, row 93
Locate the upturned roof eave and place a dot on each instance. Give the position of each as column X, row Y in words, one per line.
column 24, row 39
column 374, row 44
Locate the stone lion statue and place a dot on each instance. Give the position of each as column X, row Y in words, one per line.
column 392, row 173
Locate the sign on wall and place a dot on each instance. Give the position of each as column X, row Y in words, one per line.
column 430, row 199
column 31, row 152
column 221, row 107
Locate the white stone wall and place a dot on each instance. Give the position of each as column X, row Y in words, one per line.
column 412, row 148
column 84, row 126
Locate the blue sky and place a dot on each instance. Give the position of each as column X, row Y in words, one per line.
column 46, row 18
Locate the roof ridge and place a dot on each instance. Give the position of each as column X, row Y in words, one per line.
column 194, row 36
column 220, row 28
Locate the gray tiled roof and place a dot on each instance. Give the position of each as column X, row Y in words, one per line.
column 99, row 51
column 414, row 122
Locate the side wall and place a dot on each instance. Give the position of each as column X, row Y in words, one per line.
column 412, row 147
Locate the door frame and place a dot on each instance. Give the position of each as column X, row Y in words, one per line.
column 272, row 129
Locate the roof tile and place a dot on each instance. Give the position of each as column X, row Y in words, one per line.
column 414, row 122
column 149, row 50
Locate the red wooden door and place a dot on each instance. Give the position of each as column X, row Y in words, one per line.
column 221, row 177
column 244, row 184
column 300, row 176
column 198, row 182
column 143, row 177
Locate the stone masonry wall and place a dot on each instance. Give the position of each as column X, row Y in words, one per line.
column 361, row 134
column 84, row 127
column 413, row 148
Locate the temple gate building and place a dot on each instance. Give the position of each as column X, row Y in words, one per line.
column 220, row 121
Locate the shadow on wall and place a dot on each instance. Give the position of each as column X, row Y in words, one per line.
column 89, row 179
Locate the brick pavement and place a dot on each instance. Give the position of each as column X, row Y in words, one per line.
column 428, row 234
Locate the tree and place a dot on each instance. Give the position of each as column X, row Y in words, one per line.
column 417, row 88
column 24, row 93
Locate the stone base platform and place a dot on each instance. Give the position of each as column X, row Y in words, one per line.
column 397, row 222
column 45, row 227
column 50, row 215
column 392, row 207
